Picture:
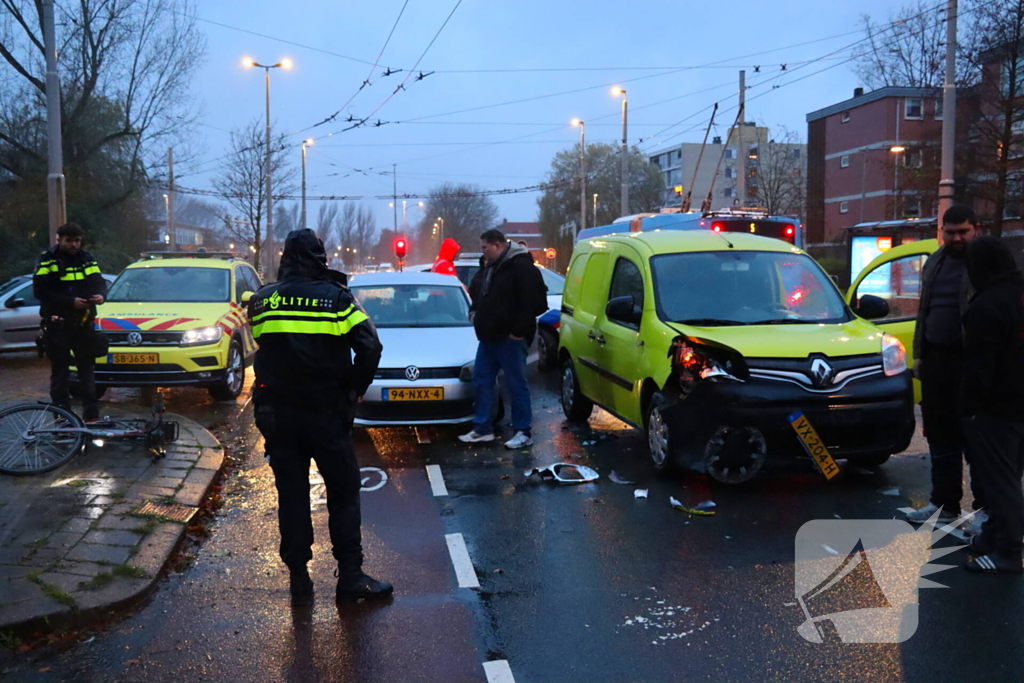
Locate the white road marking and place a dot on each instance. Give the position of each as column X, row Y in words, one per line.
column 498, row 671
column 436, row 480
column 378, row 485
column 464, row 571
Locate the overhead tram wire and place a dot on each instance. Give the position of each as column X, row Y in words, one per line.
column 366, row 81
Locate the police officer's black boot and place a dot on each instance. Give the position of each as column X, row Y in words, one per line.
column 352, row 587
column 301, row 587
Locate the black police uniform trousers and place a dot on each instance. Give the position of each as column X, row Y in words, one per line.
column 61, row 339
column 941, row 374
column 294, row 435
column 997, row 448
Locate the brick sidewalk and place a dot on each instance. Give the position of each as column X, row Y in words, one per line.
column 73, row 540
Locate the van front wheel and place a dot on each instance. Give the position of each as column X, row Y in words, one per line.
column 575, row 405
column 660, row 439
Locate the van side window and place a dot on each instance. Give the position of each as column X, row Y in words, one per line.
column 627, row 281
column 899, row 283
column 592, row 298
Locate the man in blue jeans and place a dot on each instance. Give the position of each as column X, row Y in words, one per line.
column 508, row 294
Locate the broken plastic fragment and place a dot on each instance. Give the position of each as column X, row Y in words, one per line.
column 617, row 478
column 891, row 491
column 692, row 511
column 640, row 493
column 706, row 505
column 565, row 473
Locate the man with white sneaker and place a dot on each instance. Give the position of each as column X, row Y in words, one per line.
column 938, row 363
column 508, row 294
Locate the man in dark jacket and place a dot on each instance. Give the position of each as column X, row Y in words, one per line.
column 308, row 325
column 508, row 294
column 938, row 363
column 992, row 400
column 69, row 286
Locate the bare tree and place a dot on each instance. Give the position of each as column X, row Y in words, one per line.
column 995, row 48
column 126, row 67
column 327, row 222
column 244, row 181
column 909, row 50
column 466, row 213
column 781, row 174
column 286, row 219
column 355, row 227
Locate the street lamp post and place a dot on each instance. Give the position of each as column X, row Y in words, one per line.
column 283, row 64
column 55, row 192
column 441, row 221
column 625, row 153
column 583, row 173
column 595, row 208
column 305, row 143
column 895, row 149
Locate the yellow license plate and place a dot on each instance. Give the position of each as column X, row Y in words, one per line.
column 428, row 394
column 135, row 358
column 813, row 444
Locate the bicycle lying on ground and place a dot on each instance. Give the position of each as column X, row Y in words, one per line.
column 39, row 437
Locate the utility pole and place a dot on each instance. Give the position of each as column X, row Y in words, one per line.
column 171, row 232
column 394, row 195
column 55, row 193
column 269, row 242
column 583, row 173
column 946, row 182
column 741, row 151
column 625, row 158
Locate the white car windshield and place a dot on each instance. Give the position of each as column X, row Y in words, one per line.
column 172, row 283
column 709, row 289
column 414, row 305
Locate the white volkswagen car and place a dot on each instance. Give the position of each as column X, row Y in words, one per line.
column 426, row 371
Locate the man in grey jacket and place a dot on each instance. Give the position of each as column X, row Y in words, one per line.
column 938, row 363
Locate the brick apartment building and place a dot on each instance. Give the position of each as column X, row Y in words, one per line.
column 855, row 171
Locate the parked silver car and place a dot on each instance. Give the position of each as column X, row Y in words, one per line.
column 426, row 371
column 19, row 314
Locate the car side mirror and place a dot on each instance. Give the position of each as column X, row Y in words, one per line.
column 15, row 302
column 872, row 307
column 623, row 309
column 246, row 296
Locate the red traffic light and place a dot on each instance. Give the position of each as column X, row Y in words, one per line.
column 401, row 247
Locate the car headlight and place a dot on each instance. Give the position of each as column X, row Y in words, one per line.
column 466, row 374
column 894, row 355
column 204, row 335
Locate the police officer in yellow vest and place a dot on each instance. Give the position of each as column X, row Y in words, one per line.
column 69, row 286
column 308, row 327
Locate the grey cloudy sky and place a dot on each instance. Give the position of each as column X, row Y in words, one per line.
column 432, row 144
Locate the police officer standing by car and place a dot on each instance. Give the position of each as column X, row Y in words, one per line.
column 308, row 325
column 938, row 363
column 69, row 286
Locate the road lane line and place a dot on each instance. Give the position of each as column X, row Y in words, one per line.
column 464, row 571
column 498, row 671
column 436, row 480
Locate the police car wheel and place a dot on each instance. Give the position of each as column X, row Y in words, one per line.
column 547, row 348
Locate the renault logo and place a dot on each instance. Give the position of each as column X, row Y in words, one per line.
column 134, row 338
column 821, row 372
column 412, row 373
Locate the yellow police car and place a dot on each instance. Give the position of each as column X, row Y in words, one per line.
column 177, row 319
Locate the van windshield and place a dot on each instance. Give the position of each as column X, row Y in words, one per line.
column 711, row 289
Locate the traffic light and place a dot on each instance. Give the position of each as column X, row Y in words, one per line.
column 401, row 248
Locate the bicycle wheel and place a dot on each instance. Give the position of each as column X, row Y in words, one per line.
column 27, row 446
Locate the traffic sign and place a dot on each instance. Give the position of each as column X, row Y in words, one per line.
column 550, row 254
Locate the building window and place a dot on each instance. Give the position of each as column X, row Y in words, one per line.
column 913, row 157
column 679, row 155
column 938, row 109
column 912, row 207
column 727, row 192
column 730, row 153
column 729, row 173
column 752, row 151
column 844, row 161
column 844, row 207
column 796, row 152
column 845, row 118
column 913, row 108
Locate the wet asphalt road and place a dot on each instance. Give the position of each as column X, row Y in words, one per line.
column 577, row 582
